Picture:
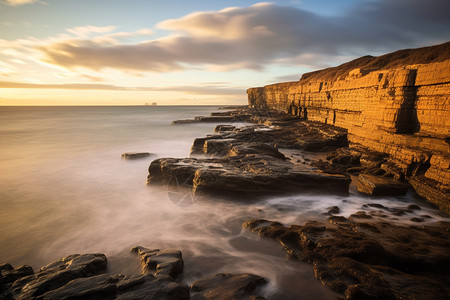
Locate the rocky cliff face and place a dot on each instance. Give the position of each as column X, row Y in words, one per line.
column 402, row 111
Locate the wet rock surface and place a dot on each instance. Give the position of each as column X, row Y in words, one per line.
column 378, row 186
column 365, row 257
column 249, row 161
column 227, row 286
column 244, row 177
column 84, row 277
column 136, row 155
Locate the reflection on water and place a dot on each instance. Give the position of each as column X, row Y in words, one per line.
column 64, row 189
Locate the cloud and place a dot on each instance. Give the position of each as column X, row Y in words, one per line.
column 259, row 35
column 213, row 89
column 19, row 2
column 86, row 31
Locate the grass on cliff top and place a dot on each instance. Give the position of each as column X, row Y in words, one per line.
column 395, row 59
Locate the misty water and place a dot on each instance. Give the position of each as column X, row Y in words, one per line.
column 64, row 189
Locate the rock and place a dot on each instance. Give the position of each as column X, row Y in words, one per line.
column 135, row 155
column 9, row 276
column 247, row 177
column 6, row 267
column 78, row 277
column 212, row 119
column 94, row 287
column 379, row 186
column 413, row 207
column 381, row 102
column 368, row 258
column 61, row 272
column 160, row 262
column 227, row 286
column 224, row 128
column 333, row 210
column 155, row 289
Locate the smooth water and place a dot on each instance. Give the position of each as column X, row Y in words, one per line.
column 64, row 189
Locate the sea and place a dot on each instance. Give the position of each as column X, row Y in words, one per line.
column 65, row 189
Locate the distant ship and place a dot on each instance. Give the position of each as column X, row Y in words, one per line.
column 154, row 104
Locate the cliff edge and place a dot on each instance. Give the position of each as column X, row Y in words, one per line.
column 397, row 104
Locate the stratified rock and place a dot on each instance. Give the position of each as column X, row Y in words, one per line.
column 368, row 258
column 213, row 119
column 61, row 272
column 380, row 186
column 223, row 128
column 155, row 289
column 244, row 176
column 395, row 105
column 227, row 286
column 160, row 262
column 94, row 287
column 135, row 155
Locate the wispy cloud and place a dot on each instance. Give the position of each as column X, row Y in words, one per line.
column 252, row 38
column 214, row 89
column 20, row 2
column 86, row 31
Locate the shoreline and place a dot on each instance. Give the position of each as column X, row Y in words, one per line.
column 354, row 273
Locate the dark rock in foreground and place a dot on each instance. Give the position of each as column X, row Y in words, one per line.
column 227, row 286
column 84, row 277
column 363, row 257
column 160, row 262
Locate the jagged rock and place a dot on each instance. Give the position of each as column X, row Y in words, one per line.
column 135, row 155
column 61, row 272
column 11, row 275
column 160, row 262
column 227, row 286
column 368, row 259
column 380, row 186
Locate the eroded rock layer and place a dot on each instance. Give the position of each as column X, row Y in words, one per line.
column 399, row 110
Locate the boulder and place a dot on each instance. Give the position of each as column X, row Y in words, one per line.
column 380, row 186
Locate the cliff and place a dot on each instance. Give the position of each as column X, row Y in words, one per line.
column 397, row 104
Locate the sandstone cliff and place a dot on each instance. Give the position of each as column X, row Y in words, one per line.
column 397, row 104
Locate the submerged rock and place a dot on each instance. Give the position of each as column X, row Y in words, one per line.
column 136, row 155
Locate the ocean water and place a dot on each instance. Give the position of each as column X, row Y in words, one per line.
column 64, row 189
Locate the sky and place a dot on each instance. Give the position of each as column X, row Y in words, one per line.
column 199, row 52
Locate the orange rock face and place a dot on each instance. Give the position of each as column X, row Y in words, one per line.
column 403, row 112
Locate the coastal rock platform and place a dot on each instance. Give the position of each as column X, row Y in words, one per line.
column 85, row 277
